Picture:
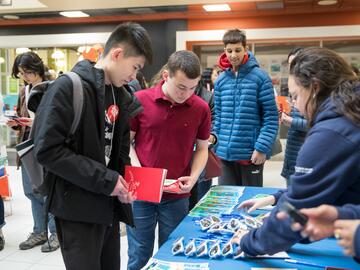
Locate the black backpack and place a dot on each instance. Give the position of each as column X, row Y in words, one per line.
column 25, row 149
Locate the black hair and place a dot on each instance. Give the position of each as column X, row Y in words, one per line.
column 206, row 77
column 133, row 38
column 185, row 61
column 294, row 51
column 28, row 61
column 234, row 36
column 326, row 74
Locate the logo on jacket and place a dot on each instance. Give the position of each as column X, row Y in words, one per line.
column 112, row 113
column 303, row 170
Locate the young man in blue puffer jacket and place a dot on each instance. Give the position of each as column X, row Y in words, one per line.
column 246, row 117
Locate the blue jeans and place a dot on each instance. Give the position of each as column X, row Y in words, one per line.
column 37, row 206
column 168, row 213
column 2, row 213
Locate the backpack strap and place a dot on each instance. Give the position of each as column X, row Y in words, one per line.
column 78, row 100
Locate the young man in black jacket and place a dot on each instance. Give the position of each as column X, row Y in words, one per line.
column 88, row 195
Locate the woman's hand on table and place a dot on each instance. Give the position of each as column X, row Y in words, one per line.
column 253, row 204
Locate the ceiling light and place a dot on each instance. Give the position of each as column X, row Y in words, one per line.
column 74, row 14
column 11, row 17
column 327, row 2
column 222, row 7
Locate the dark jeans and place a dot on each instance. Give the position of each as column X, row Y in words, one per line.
column 2, row 213
column 37, row 206
column 235, row 174
column 89, row 246
column 168, row 213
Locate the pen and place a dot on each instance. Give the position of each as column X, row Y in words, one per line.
column 304, row 263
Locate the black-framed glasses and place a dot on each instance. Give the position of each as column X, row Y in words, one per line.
column 25, row 73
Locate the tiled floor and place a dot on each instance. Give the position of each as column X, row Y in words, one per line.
column 19, row 224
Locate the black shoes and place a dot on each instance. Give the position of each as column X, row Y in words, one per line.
column 2, row 242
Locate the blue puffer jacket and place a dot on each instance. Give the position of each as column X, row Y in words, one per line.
column 246, row 116
column 295, row 139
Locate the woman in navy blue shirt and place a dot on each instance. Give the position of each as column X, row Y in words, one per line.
column 327, row 170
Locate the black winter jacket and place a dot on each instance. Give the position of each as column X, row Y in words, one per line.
column 202, row 92
column 81, row 181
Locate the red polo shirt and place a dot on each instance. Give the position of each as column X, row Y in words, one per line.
column 166, row 132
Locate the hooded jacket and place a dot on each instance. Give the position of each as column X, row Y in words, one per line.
column 81, row 182
column 246, row 117
column 327, row 172
column 295, row 139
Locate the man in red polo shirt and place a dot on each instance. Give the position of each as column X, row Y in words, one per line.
column 173, row 121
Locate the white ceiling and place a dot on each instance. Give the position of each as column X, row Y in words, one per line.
column 58, row 5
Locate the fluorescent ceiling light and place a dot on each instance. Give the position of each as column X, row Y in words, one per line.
column 222, row 7
column 74, row 14
column 11, row 17
column 327, row 2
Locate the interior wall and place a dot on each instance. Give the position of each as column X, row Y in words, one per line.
column 162, row 33
column 275, row 21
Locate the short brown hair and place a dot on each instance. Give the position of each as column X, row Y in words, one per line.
column 234, row 36
column 185, row 61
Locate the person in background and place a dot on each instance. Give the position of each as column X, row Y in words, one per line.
column 327, row 92
column 202, row 184
column 176, row 118
column 139, row 83
column 214, row 75
column 246, row 115
column 296, row 134
column 31, row 69
column 2, row 223
column 87, row 192
column 2, row 210
column 158, row 77
column 208, row 78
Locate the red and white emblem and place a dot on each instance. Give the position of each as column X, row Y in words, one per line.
column 113, row 113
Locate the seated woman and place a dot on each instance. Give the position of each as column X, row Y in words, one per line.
column 327, row 170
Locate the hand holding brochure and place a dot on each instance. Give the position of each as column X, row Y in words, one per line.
column 171, row 186
column 145, row 183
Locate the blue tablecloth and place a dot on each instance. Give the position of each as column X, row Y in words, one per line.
column 325, row 252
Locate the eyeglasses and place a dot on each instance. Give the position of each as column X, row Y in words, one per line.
column 25, row 73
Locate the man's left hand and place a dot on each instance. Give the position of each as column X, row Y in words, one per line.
column 186, row 183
